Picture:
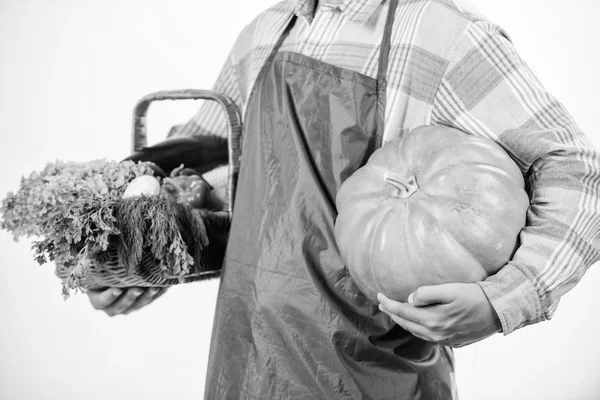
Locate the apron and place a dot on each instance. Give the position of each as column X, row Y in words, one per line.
column 289, row 322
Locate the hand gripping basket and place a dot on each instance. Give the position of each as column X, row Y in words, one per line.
column 108, row 273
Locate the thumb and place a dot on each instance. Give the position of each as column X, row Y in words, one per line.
column 429, row 295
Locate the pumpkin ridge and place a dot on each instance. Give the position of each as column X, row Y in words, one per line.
column 377, row 227
column 366, row 195
column 426, row 148
column 470, row 145
column 457, row 233
column 429, row 177
column 344, row 195
column 452, row 238
column 362, row 221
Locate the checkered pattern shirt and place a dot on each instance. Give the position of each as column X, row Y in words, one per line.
column 450, row 66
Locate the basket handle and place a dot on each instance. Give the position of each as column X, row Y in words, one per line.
column 234, row 125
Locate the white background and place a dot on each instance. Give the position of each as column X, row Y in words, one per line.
column 70, row 73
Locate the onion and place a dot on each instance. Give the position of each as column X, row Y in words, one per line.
column 142, row 185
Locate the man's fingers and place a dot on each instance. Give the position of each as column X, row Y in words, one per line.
column 124, row 302
column 115, row 301
column 416, row 329
column 436, row 294
column 149, row 295
column 421, row 316
column 103, row 298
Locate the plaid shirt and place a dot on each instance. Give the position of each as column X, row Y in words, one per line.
column 450, row 66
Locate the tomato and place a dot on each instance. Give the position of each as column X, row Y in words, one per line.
column 198, row 193
column 187, row 186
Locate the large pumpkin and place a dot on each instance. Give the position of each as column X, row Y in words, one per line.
column 437, row 206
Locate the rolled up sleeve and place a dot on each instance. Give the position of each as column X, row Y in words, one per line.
column 489, row 91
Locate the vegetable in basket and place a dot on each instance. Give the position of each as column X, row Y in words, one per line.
column 88, row 212
column 189, row 187
column 142, row 185
column 201, row 153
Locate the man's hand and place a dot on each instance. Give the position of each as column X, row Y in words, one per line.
column 453, row 314
column 115, row 301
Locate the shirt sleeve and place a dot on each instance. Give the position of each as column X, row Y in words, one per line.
column 489, row 91
column 211, row 118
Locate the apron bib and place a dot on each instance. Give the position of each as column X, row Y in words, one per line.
column 290, row 323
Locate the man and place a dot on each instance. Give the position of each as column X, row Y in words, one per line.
column 321, row 86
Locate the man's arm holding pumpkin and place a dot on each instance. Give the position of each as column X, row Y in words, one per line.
column 489, row 91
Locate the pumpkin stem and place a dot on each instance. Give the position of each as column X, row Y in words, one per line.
column 403, row 189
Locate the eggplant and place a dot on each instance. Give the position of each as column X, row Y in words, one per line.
column 200, row 153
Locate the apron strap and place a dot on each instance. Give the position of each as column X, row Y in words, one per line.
column 282, row 37
column 384, row 55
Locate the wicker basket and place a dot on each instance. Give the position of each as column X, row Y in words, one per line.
column 108, row 273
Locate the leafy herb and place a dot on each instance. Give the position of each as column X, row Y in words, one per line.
column 167, row 229
column 77, row 210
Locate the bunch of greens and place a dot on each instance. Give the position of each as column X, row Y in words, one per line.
column 77, row 210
